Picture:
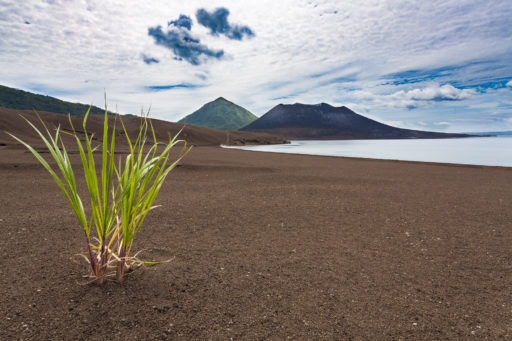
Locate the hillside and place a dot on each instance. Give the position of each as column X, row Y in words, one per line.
column 11, row 121
column 220, row 114
column 325, row 122
column 18, row 99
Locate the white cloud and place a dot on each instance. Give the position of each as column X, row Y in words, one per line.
column 414, row 98
column 302, row 51
column 446, row 92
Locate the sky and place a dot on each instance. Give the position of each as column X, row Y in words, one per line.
column 430, row 65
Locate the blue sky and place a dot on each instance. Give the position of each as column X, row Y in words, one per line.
column 433, row 65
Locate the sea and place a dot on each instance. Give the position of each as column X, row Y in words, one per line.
column 486, row 151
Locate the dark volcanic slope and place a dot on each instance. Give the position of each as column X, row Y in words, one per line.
column 10, row 121
column 323, row 121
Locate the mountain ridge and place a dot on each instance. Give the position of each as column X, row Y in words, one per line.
column 12, row 98
column 326, row 122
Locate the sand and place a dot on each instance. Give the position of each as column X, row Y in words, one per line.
column 12, row 121
column 270, row 246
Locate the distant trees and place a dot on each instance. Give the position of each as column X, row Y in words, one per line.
column 18, row 99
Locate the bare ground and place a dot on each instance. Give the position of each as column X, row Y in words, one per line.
column 270, row 246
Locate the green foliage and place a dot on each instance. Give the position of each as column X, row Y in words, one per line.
column 220, row 114
column 120, row 196
column 18, row 99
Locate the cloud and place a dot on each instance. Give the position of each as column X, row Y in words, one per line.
column 201, row 76
column 473, row 74
column 183, row 21
column 217, row 22
column 180, row 41
column 438, row 93
column 387, row 47
column 415, row 98
column 422, row 97
column 149, row 60
column 418, row 76
column 172, row 86
column 509, row 83
column 42, row 89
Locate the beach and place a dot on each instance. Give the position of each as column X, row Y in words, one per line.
column 266, row 246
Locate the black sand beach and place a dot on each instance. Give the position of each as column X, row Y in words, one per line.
column 270, row 246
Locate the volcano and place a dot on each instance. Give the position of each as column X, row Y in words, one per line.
column 326, row 122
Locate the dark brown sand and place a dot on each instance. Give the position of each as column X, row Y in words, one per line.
column 270, row 246
column 11, row 121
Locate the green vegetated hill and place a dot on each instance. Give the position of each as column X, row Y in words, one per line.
column 220, row 114
column 18, row 99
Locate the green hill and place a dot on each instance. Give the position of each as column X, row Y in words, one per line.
column 220, row 114
column 18, row 99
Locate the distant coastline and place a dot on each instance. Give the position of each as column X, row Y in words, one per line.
column 491, row 133
column 476, row 150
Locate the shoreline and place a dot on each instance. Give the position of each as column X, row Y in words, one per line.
column 450, row 164
column 302, row 147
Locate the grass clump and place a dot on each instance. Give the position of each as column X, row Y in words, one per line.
column 120, row 193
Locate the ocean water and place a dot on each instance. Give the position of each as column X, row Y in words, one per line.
column 487, row 151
